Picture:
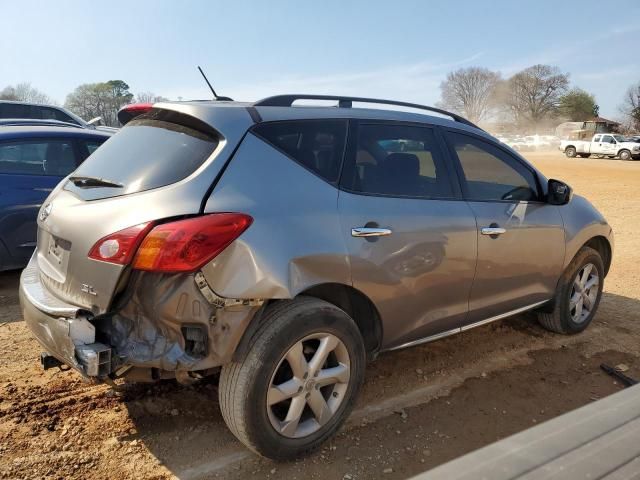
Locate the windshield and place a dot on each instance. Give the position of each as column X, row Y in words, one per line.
column 619, row 138
column 145, row 154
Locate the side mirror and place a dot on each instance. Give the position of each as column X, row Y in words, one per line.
column 94, row 121
column 558, row 193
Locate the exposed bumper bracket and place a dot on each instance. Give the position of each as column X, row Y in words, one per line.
column 221, row 302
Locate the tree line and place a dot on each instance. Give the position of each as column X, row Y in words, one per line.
column 90, row 100
column 537, row 96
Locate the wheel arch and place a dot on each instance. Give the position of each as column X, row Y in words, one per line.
column 601, row 244
column 355, row 303
column 358, row 306
column 624, row 150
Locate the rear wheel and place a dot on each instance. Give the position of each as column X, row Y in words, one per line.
column 570, row 152
column 624, row 155
column 297, row 381
column 577, row 294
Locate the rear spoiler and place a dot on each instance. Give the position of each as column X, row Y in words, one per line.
column 131, row 111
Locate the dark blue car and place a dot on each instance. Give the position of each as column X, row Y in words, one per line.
column 33, row 160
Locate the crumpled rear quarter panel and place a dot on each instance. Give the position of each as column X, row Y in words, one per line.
column 145, row 328
column 295, row 241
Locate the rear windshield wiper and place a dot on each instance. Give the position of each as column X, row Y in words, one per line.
column 90, row 182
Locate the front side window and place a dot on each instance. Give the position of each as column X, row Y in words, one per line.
column 37, row 157
column 490, row 173
column 608, row 139
column 315, row 144
column 398, row 160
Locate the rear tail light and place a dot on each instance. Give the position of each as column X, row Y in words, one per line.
column 119, row 247
column 187, row 245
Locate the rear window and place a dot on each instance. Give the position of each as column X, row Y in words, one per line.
column 146, row 154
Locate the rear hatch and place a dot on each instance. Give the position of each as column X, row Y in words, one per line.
column 160, row 166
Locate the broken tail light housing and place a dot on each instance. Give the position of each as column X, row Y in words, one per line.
column 187, row 245
column 120, row 247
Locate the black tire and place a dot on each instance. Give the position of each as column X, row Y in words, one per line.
column 560, row 320
column 570, row 152
column 244, row 384
column 624, row 155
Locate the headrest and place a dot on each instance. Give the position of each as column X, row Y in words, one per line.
column 402, row 164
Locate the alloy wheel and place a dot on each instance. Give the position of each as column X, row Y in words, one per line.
column 308, row 385
column 584, row 293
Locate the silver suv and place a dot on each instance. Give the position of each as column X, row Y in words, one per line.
column 284, row 246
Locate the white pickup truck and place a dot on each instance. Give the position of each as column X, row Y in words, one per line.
column 604, row 144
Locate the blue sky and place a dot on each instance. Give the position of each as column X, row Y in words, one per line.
column 394, row 49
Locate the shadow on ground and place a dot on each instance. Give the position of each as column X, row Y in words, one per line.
column 182, row 426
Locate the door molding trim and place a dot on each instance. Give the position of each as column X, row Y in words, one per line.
column 464, row 328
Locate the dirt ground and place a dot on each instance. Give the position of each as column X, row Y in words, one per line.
column 419, row 408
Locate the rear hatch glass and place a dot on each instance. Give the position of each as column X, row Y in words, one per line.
column 148, row 153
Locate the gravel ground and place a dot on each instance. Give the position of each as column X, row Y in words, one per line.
column 419, row 407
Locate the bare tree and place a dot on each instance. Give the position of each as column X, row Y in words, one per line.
column 533, row 95
column 470, row 92
column 150, row 97
column 24, row 92
column 631, row 106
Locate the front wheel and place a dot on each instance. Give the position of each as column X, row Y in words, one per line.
column 298, row 380
column 577, row 294
column 624, row 155
column 570, row 152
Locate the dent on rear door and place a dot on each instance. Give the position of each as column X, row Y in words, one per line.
column 420, row 276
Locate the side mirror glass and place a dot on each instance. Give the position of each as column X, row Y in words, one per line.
column 558, row 193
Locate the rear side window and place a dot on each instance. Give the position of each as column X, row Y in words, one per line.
column 48, row 113
column 16, row 110
column 490, row 173
column 146, row 154
column 37, row 157
column 398, row 160
column 315, row 144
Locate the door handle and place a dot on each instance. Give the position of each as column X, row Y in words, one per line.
column 370, row 232
column 492, row 230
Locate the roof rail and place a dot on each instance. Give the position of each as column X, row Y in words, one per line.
column 347, row 102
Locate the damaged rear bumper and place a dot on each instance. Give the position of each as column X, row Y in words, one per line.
column 172, row 323
column 62, row 329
